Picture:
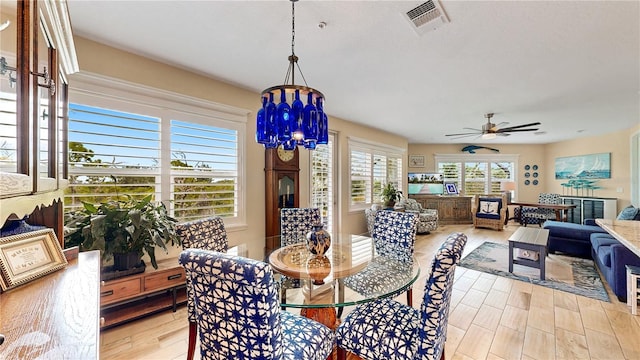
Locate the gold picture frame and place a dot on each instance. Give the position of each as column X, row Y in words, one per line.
column 28, row 256
column 416, row 160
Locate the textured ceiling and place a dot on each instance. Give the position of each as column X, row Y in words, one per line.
column 574, row 66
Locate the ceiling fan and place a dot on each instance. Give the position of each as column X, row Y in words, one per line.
column 490, row 130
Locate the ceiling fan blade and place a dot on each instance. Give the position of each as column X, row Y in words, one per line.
column 514, row 130
column 502, row 134
column 472, row 129
column 463, row 134
column 460, row 136
column 518, row 126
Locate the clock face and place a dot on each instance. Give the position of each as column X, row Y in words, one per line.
column 285, row 155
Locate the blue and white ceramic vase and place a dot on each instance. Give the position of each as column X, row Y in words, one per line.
column 318, row 240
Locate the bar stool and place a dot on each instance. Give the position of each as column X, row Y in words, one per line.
column 633, row 294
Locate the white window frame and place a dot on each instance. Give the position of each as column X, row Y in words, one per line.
column 374, row 148
column 486, row 158
column 109, row 93
column 330, row 221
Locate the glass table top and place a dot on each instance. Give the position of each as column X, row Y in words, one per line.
column 350, row 272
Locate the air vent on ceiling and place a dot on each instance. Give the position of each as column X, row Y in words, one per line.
column 426, row 17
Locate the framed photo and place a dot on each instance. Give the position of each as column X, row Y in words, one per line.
column 27, row 256
column 451, row 188
column 416, row 160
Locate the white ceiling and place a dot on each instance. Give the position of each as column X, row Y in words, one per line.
column 574, row 66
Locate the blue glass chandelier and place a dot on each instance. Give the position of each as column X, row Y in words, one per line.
column 289, row 124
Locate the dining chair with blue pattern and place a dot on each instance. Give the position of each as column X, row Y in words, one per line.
column 238, row 312
column 394, row 236
column 295, row 223
column 533, row 215
column 208, row 234
column 387, row 329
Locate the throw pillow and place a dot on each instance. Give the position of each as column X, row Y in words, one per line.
column 488, row 207
column 628, row 213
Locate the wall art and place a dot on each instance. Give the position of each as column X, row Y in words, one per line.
column 593, row 166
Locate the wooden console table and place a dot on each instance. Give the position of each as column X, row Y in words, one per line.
column 134, row 296
column 452, row 209
column 56, row 316
column 625, row 231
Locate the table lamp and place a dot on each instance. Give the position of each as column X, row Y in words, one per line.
column 509, row 187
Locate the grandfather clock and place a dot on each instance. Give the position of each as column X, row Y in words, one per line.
column 282, row 170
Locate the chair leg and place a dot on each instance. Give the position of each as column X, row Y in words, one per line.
column 342, row 353
column 410, row 296
column 192, row 340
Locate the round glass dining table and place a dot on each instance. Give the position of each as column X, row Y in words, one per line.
column 349, row 273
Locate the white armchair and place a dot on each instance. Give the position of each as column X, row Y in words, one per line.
column 427, row 218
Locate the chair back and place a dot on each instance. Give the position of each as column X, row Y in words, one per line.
column 295, row 223
column 394, row 234
column 370, row 216
column 207, row 234
column 545, row 198
column 237, row 306
column 434, row 310
column 490, row 205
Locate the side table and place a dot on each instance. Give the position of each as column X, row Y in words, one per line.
column 529, row 239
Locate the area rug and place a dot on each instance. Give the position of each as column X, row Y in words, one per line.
column 573, row 275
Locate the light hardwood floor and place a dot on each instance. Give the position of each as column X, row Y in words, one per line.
column 490, row 318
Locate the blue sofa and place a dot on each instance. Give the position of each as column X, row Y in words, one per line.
column 590, row 240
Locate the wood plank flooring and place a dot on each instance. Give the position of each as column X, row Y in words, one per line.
column 490, row 318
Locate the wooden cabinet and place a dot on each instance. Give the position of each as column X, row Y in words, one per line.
column 142, row 294
column 37, row 54
column 451, row 209
column 590, row 208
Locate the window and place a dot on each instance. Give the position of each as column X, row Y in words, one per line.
column 322, row 182
column 477, row 174
column 372, row 167
column 185, row 152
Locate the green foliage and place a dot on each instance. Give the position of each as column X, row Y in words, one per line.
column 122, row 226
column 390, row 194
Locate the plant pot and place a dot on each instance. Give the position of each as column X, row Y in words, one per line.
column 126, row 261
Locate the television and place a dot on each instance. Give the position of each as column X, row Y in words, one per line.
column 425, row 184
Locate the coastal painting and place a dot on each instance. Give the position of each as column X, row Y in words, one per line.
column 592, row 166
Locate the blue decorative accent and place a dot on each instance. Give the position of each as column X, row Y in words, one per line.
column 472, row 148
column 238, row 312
column 318, row 240
column 387, row 329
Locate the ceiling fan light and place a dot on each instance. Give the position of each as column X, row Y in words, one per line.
column 489, row 136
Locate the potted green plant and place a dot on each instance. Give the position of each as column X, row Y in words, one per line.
column 123, row 230
column 390, row 194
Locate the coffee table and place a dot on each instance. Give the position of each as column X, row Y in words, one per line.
column 529, row 239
